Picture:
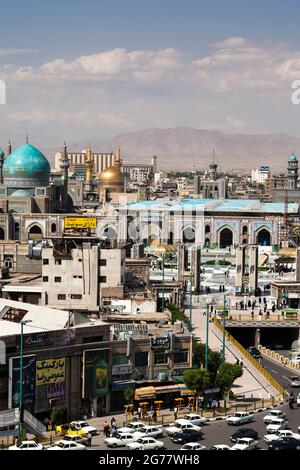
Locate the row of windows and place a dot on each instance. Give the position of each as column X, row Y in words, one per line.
column 141, row 358
column 58, row 261
column 73, row 296
column 102, row 279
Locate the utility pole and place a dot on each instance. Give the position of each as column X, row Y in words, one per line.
column 191, row 301
column 21, row 433
column 224, row 335
column 163, row 282
column 206, row 342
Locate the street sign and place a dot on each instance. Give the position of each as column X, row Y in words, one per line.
column 211, row 390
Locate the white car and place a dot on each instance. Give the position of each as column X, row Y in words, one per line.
column 85, row 426
column 148, row 431
column 193, row 446
column 277, row 425
column 181, row 425
column 220, row 447
column 195, row 419
column 281, row 434
column 273, row 414
column 27, row 445
column 146, row 443
column 294, row 381
column 246, row 443
column 240, row 417
column 132, row 427
column 120, row 440
column 67, row 445
column 298, row 399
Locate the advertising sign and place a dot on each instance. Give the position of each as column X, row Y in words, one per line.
column 80, row 222
column 121, row 369
column 56, row 390
column 95, row 373
column 29, row 366
column 160, row 344
column 50, row 371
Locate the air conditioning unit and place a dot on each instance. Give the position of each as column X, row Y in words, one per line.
column 162, row 376
column 123, row 335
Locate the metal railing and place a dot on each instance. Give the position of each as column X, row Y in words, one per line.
column 285, row 361
column 256, row 365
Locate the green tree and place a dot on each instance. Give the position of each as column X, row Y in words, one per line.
column 214, row 359
column 197, row 380
column 178, row 314
column 128, row 395
column 227, row 374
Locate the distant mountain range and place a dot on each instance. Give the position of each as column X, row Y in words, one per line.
column 184, row 148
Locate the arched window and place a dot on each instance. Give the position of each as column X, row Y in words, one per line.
column 226, row 238
column 245, row 230
column 8, row 262
column 35, row 233
column 53, row 228
column 207, row 228
column 17, row 231
column 110, row 233
column 263, row 238
column 2, row 234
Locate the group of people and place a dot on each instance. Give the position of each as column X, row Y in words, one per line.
column 110, row 430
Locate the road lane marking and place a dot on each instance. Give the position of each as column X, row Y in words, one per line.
column 274, row 371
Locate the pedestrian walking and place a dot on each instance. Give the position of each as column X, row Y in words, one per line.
column 113, row 422
column 259, row 300
column 89, row 440
column 105, row 427
column 241, row 363
column 175, row 412
column 139, row 411
column 252, row 314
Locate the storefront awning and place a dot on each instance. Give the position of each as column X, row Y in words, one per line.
column 184, row 391
column 144, row 392
column 167, row 389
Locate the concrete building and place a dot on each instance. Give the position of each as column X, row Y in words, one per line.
column 77, row 273
column 261, row 174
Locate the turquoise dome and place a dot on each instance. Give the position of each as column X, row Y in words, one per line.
column 293, row 158
column 26, row 167
column 21, row 193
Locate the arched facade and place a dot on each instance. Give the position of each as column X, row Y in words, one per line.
column 226, row 238
column 263, row 237
column 35, row 232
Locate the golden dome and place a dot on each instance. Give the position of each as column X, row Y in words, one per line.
column 113, row 174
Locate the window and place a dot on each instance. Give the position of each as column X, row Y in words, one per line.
column 103, row 262
column 160, row 358
column 141, row 359
column 181, row 356
column 58, row 261
column 103, row 279
column 45, row 261
column 61, row 297
column 53, row 228
column 76, row 296
column 57, row 279
column 119, row 359
column 45, row 278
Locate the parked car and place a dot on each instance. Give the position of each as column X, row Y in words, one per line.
column 189, row 435
column 146, row 443
column 132, row 427
column 254, row 352
column 277, row 425
column 27, row 445
column 85, row 426
column 80, row 439
column 67, row 445
column 149, row 431
column 193, row 446
column 181, row 425
column 294, row 381
column 298, row 399
column 220, row 447
column 240, row 417
column 280, row 435
column 120, row 440
column 196, row 419
column 244, row 432
column 286, row 443
column 70, row 430
column 273, row 414
column 246, row 443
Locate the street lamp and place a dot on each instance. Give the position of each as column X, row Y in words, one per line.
column 225, row 306
column 22, row 323
column 191, row 300
column 212, row 303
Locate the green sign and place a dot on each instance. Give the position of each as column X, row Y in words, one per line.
column 95, row 377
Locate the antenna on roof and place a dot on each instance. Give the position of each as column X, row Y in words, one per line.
column 27, row 138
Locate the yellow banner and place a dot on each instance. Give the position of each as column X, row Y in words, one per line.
column 50, row 371
column 80, row 222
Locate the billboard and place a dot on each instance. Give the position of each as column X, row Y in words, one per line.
column 161, row 344
column 56, row 390
column 50, row 371
column 80, row 222
column 95, row 373
column 29, row 366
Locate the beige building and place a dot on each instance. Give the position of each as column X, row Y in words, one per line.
column 78, row 273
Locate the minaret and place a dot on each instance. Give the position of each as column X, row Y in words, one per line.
column 293, row 168
column 118, row 161
column 213, row 169
column 64, row 166
column 9, row 148
column 2, row 158
column 89, row 164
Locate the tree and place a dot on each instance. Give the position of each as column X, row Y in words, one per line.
column 197, row 380
column 178, row 314
column 227, row 374
column 214, row 359
column 128, row 395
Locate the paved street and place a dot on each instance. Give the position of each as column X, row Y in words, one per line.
column 219, row 432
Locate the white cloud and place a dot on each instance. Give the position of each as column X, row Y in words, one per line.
column 231, row 42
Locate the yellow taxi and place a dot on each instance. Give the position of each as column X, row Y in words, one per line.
column 70, row 430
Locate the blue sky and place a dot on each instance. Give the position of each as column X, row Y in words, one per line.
column 227, row 65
